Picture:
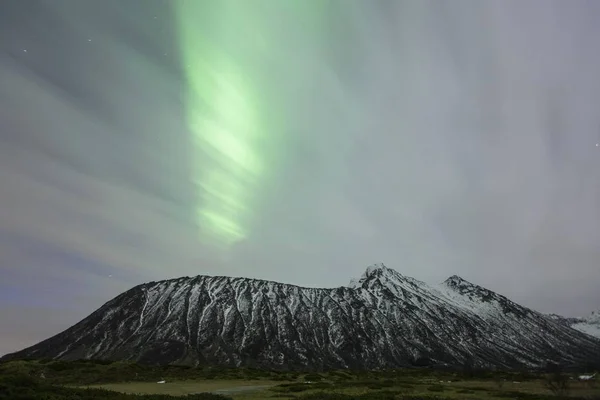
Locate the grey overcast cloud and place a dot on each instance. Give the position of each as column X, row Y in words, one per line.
column 439, row 138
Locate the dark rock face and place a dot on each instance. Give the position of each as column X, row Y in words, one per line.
column 382, row 320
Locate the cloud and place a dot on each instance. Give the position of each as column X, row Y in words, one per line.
column 439, row 140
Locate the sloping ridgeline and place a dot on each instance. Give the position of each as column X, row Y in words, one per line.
column 382, row 320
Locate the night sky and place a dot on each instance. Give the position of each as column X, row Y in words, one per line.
column 296, row 141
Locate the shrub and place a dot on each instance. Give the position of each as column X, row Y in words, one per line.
column 291, row 388
column 468, row 367
column 499, row 381
column 436, row 388
column 313, row 377
column 558, row 383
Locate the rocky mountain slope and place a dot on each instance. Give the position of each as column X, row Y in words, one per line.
column 589, row 325
column 383, row 319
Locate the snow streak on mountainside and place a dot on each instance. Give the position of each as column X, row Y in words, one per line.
column 383, row 319
column 589, row 325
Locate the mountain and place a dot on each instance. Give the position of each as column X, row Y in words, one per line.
column 589, row 325
column 383, row 319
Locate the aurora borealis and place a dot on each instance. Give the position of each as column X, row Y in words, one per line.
column 225, row 119
column 232, row 123
column 295, row 141
column 227, row 50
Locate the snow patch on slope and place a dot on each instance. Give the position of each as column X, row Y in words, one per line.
column 589, row 325
column 590, row 329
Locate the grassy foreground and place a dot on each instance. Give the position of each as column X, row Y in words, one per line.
column 57, row 380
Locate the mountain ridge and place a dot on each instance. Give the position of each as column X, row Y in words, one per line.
column 381, row 320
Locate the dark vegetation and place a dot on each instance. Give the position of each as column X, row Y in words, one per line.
column 90, row 372
column 15, row 386
column 58, row 380
column 557, row 381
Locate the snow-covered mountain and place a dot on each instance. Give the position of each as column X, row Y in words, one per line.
column 589, row 325
column 383, row 319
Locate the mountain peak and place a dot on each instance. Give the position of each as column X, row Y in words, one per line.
column 378, row 277
column 457, row 281
column 374, row 271
column 379, row 268
column 464, row 287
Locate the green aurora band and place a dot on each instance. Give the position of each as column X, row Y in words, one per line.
column 228, row 48
column 223, row 116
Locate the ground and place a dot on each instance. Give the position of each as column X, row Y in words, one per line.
column 472, row 389
column 180, row 388
column 100, row 380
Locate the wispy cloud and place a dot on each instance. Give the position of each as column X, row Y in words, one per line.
column 438, row 139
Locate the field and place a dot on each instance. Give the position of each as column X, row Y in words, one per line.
column 118, row 381
column 356, row 389
column 180, row 388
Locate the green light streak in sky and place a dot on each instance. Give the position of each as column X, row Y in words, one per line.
column 228, row 48
column 222, row 115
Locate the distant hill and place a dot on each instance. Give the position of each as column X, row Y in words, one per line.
column 589, row 325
